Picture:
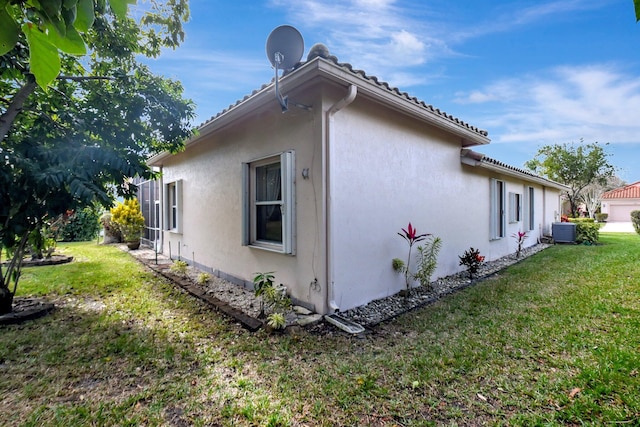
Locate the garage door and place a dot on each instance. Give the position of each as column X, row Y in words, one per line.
column 621, row 212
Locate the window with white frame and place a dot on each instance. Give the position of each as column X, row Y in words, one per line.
column 269, row 203
column 173, row 206
column 497, row 209
column 515, row 207
column 529, row 209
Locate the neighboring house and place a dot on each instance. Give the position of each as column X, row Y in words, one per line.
column 619, row 203
column 318, row 194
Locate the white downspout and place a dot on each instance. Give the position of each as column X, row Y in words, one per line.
column 327, row 186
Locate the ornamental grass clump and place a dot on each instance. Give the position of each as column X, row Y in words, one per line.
column 472, row 260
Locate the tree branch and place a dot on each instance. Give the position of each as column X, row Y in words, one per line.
column 17, row 103
column 84, row 78
column 8, row 117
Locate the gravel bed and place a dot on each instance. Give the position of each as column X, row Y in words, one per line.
column 376, row 311
column 387, row 308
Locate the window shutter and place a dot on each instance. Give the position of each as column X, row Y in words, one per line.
column 288, row 168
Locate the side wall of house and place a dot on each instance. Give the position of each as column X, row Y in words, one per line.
column 212, row 200
column 388, row 171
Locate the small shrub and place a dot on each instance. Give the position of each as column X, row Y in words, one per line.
column 82, row 226
column 472, row 260
column 277, row 320
column 582, row 220
column 273, row 298
column 203, row 278
column 635, row 220
column 128, row 218
column 179, row 267
column 427, row 261
column 587, row 233
column 398, row 265
column 602, row 217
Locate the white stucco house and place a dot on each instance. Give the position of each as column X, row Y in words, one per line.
column 620, row 202
column 318, row 194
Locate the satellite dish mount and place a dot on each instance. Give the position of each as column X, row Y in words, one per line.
column 284, row 50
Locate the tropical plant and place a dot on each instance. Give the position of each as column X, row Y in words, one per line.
column 410, row 234
column 203, row 278
column 179, row 267
column 472, row 260
column 272, row 298
column 128, row 218
column 427, row 258
column 277, row 320
column 42, row 242
column 398, row 265
column 521, row 237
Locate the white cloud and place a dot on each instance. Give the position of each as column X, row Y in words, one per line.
column 597, row 103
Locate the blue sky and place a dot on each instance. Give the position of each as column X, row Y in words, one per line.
column 530, row 73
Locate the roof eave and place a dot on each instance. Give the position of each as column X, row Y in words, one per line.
column 400, row 102
column 473, row 158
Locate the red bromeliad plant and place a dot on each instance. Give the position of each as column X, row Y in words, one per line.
column 410, row 234
column 520, row 237
column 472, row 260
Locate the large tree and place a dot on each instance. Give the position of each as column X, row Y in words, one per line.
column 79, row 137
column 575, row 165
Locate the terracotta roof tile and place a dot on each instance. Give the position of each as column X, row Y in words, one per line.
column 382, row 84
column 631, row 191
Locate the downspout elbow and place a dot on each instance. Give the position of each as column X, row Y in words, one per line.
column 351, row 96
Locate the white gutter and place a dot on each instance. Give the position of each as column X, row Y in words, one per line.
column 327, row 190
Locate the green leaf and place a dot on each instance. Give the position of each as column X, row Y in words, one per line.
column 69, row 4
column 72, row 43
column 43, row 56
column 51, row 8
column 119, row 7
column 9, row 31
column 636, row 4
column 85, row 15
column 58, row 25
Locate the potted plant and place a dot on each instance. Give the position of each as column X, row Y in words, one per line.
column 128, row 218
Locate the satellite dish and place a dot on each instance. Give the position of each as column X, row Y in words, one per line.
column 284, row 47
column 284, row 50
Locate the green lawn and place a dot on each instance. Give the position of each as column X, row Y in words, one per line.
column 553, row 340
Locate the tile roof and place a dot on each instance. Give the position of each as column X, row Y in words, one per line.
column 324, row 55
column 631, row 191
column 474, row 158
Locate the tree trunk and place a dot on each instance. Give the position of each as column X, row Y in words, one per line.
column 6, row 301
column 7, row 119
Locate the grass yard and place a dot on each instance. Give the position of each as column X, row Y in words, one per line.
column 554, row 340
